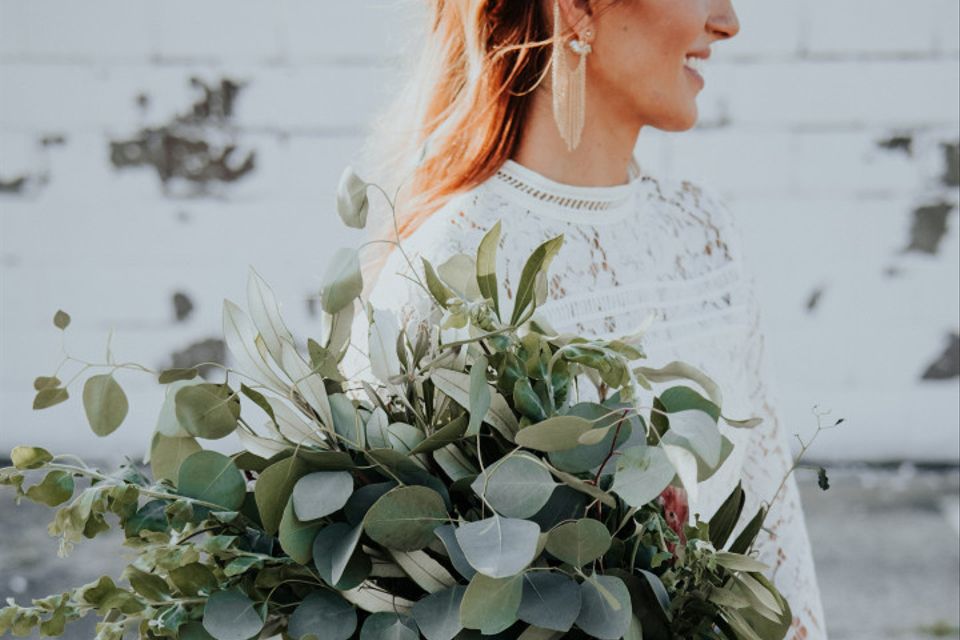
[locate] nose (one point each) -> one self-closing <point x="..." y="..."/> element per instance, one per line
<point x="723" y="20"/>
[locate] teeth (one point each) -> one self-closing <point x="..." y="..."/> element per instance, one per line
<point x="697" y="64"/>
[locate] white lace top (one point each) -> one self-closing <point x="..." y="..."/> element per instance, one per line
<point x="646" y="246"/>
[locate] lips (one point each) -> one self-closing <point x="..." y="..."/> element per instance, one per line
<point x="695" y="63"/>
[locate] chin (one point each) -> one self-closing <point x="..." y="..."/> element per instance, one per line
<point x="683" y="118"/>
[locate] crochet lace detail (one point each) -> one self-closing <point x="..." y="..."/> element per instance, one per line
<point x="649" y="246"/>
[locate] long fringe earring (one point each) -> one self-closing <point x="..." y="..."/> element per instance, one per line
<point x="569" y="86"/>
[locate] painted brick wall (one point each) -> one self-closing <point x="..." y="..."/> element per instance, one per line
<point x="831" y="128"/>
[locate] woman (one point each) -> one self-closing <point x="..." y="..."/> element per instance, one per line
<point x="528" y="112"/>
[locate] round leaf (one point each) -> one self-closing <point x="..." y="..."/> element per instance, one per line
<point x="342" y="282"/>
<point x="642" y="474"/>
<point x="517" y="486"/>
<point x="231" y="615"/>
<point x="30" y="457"/>
<point x="323" y="610"/>
<point x="605" y="611"/>
<point x="404" y="518"/>
<point x="578" y="543"/>
<point x="61" y="319"/>
<point x="554" y="434"/>
<point x="499" y="547"/>
<point x="585" y="458"/>
<point x="319" y="494"/>
<point x="105" y="403"/>
<point x="333" y="549"/>
<point x="438" y="614"/>
<point x="296" y="537"/>
<point x="389" y="626"/>
<point x="352" y="203"/>
<point x="491" y="604"/>
<point x="167" y="454"/>
<point x="207" y="410"/>
<point x="56" y="488"/>
<point x="550" y="600"/>
<point x="212" y="477"/>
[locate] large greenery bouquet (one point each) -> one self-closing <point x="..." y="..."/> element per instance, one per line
<point x="467" y="493"/>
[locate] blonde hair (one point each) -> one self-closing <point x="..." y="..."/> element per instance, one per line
<point x="459" y="115"/>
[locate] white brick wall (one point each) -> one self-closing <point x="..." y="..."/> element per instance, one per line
<point x="791" y="118"/>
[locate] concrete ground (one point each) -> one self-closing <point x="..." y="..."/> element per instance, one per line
<point x="885" y="540"/>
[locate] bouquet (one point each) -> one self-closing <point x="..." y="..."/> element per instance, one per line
<point x="464" y="491"/>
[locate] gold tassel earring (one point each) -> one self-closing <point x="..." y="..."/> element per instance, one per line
<point x="569" y="86"/>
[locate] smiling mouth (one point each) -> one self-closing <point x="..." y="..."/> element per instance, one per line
<point x="695" y="66"/>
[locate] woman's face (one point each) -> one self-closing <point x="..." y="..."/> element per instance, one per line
<point x="637" y="67"/>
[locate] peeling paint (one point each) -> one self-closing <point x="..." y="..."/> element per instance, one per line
<point x="900" y="142"/>
<point x="13" y="185"/>
<point x="209" y="350"/>
<point x="951" y="161"/>
<point x="182" y="306"/>
<point x="929" y="227"/>
<point x="196" y="150"/>
<point x="947" y="365"/>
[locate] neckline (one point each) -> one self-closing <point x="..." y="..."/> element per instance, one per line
<point x="544" y="196"/>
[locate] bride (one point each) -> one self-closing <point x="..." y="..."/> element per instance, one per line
<point x="528" y="113"/>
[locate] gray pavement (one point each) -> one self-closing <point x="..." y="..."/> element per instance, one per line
<point x="885" y="541"/>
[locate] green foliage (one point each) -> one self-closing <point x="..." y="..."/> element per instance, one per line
<point x="471" y="492"/>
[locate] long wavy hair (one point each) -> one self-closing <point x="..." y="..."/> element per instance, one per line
<point x="459" y="115"/>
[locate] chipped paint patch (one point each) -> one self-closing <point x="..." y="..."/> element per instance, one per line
<point x="951" y="161"/>
<point x="197" y="150"/>
<point x="947" y="365"/>
<point x="929" y="227"/>
<point x="182" y="306"/>
<point x="900" y="142"/>
<point x="208" y="350"/>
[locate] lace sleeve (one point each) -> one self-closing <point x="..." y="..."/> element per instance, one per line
<point x="783" y="544"/>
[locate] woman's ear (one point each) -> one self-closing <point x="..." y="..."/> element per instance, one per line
<point x="577" y="17"/>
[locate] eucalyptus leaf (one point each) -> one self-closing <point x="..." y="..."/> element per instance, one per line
<point x="517" y="486"/>
<point x="491" y="604"/>
<point x="404" y="518"/>
<point x="30" y="457"/>
<point x="538" y="262"/>
<point x="55" y="488"/>
<point x="701" y="431"/>
<point x="167" y="454"/>
<point x="438" y="614"/>
<point x="551" y="600"/>
<point x="352" y="202"/>
<point x="326" y="611"/>
<point x="333" y="547"/>
<point x="231" y="615"/>
<point x="389" y="626"/>
<point x="555" y="434"/>
<point x="174" y="375"/>
<point x="274" y="488"/>
<point x="480" y="397"/>
<point x="448" y="536"/>
<point x="499" y="547"/>
<point x="207" y="410"/>
<point x="487" y="266"/>
<point x="61" y="319"/>
<point x="49" y="396"/>
<point x="456" y="385"/>
<point x="212" y="477"/>
<point x="296" y="537"/>
<point x="605" y="611"/>
<point x="642" y="474"/>
<point x="342" y="282"/>
<point x="319" y="494"/>
<point x="580" y="542"/>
